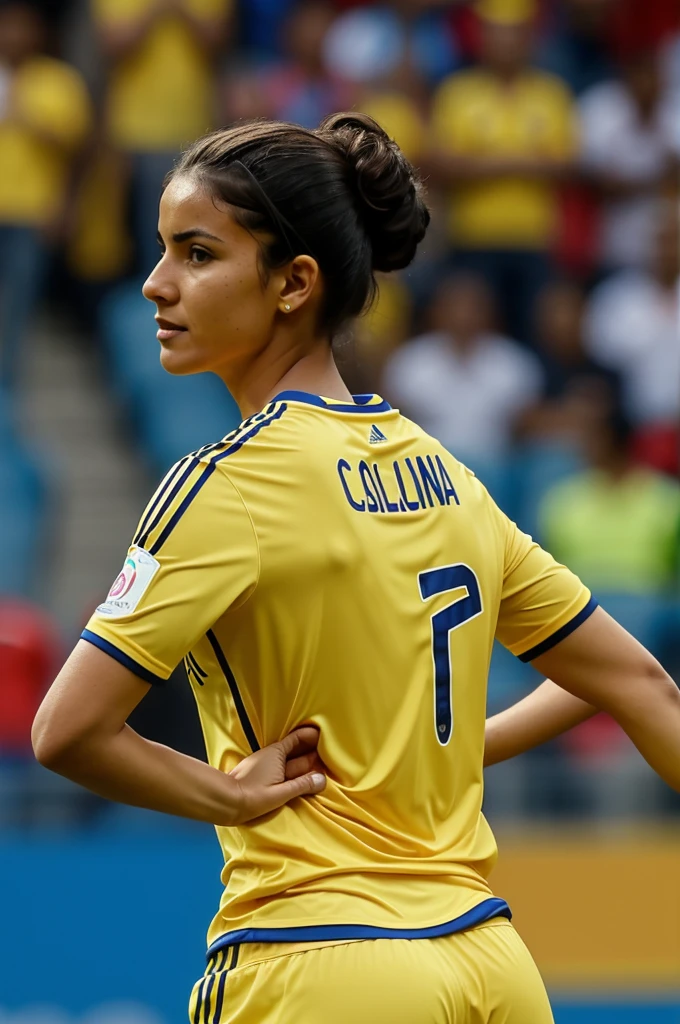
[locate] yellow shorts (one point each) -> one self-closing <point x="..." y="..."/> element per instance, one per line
<point x="481" y="976"/>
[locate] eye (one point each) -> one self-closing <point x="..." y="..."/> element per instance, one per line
<point x="198" y="255"/>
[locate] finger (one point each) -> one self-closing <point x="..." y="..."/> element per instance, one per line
<point x="300" y="741"/>
<point x="305" y="785"/>
<point x="302" y="765"/>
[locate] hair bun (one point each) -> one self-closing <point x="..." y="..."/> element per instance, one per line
<point x="390" y="195"/>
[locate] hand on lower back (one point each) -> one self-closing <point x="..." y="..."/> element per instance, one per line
<point x="278" y="773"/>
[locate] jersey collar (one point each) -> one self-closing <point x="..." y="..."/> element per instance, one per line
<point x="370" y="404"/>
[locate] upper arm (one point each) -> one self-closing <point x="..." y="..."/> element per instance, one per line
<point x="601" y="663"/>
<point x="92" y="695"/>
<point x="194" y="556"/>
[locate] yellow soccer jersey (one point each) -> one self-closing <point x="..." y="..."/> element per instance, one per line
<point x="334" y="564"/>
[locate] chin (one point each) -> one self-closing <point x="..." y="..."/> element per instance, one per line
<point x="179" y="364"/>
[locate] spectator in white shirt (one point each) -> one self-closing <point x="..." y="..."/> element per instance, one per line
<point x="633" y="326"/>
<point x="463" y="382"/>
<point x="629" y="152"/>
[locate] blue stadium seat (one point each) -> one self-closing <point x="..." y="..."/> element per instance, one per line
<point x="22" y="511"/>
<point x="177" y="415"/>
<point x="172" y="415"/>
<point x="536" y="468"/>
<point x="497" y="477"/>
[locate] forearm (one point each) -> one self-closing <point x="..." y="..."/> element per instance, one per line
<point x="651" y="717"/>
<point x="129" y="769"/>
<point x="603" y="665"/>
<point x="541" y="716"/>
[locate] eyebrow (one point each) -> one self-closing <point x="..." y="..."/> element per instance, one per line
<point x="182" y="236"/>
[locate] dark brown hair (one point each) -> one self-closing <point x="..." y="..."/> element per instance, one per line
<point x="344" y="194"/>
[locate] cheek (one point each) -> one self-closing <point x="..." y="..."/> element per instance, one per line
<point x="233" y="307"/>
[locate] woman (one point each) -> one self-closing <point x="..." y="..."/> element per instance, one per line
<point x="330" y="573"/>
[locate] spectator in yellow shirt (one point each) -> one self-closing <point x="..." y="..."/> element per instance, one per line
<point x="160" y="91"/>
<point x="44" y="118"/>
<point x="503" y="136"/>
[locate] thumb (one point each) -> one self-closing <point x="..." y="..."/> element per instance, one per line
<point x="305" y="785"/>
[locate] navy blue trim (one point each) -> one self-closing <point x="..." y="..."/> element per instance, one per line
<point x="220" y="997"/>
<point x="360" y="402"/>
<point x="233" y="686"/>
<point x="192" y="673"/>
<point x="206" y="998"/>
<point x="196" y="666"/>
<point x="142" y="537"/>
<point x="561" y="634"/>
<point x="181" y="508"/>
<point x="217" y="1016"/>
<point x="157" y="498"/>
<point x="251" y="433"/>
<point x="146" y="526"/>
<point x="121" y="656"/>
<point x="261" y="420"/>
<point x="199" y="1003"/>
<point x="208" y="448"/>
<point x="484" y="911"/>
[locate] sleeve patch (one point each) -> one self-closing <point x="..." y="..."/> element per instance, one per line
<point x="130" y="585"/>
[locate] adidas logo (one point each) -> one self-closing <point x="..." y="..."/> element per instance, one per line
<point x="376" y="436"/>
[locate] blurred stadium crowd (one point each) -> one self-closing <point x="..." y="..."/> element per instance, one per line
<point x="537" y="334"/>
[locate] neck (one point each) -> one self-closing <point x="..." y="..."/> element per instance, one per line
<point x="297" y="368"/>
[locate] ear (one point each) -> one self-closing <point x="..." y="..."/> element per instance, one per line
<point x="300" y="279"/>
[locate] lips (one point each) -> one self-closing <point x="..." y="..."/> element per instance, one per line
<point x="167" y="330"/>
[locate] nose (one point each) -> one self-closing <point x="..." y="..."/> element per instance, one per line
<point x="159" y="286"/>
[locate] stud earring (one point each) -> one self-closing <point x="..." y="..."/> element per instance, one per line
<point x="287" y="307"/>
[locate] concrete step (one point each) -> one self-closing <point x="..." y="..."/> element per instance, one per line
<point x="100" y="483"/>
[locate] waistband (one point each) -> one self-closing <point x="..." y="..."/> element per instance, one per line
<point x="250" y="953"/>
<point x="334" y="933"/>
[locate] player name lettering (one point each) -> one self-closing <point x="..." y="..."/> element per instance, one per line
<point x="405" y="485"/>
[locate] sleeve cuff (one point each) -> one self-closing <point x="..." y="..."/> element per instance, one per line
<point x="561" y="633"/>
<point x="121" y="657"/>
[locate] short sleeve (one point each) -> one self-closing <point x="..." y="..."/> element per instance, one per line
<point x="194" y="556"/>
<point x="542" y="602"/>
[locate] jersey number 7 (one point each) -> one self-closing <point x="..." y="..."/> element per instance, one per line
<point x="467" y="606"/>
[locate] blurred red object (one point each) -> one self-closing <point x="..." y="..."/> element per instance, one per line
<point x="30" y="652"/>
<point x="636" y="26"/>
<point x="658" y="446"/>
<point x="599" y="735"/>
<point x="576" y="246"/>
